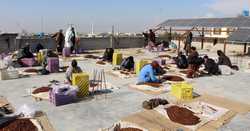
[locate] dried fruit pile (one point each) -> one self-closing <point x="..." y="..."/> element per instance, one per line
<point x="41" y="89"/>
<point x="91" y="57"/>
<point x="19" y="125"/>
<point x="124" y="72"/>
<point x="100" y="62"/>
<point x="156" y="85"/>
<point x="31" y="70"/>
<point x="118" y="128"/>
<point x="165" y="56"/>
<point x="173" y="78"/>
<point x="182" y="115"/>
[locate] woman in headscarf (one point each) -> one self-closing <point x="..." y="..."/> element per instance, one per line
<point x="70" y="37"/>
<point x="223" y="59"/>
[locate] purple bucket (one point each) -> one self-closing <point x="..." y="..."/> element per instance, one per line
<point x="53" y="64"/>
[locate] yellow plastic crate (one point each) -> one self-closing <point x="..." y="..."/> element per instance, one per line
<point x="81" y="80"/>
<point x="117" y="59"/>
<point x="183" y="91"/>
<point x="139" y="65"/>
<point x="40" y="57"/>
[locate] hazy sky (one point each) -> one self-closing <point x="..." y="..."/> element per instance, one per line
<point x="126" y="15"/>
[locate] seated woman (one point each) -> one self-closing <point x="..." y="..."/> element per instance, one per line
<point x="147" y="73"/>
<point x="39" y="47"/>
<point x="108" y="54"/>
<point x="181" y="61"/>
<point x="223" y="59"/>
<point x="74" y="68"/>
<point x="194" y="63"/>
<point x="211" y="67"/>
<point x="128" y="64"/>
<point x="24" y="53"/>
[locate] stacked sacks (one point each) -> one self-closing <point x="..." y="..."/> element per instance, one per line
<point x="153" y="103"/>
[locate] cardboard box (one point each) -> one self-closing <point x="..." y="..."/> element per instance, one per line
<point x="81" y="80"/>
<point x="117" y="59"/>
<point x="182" y="90"/>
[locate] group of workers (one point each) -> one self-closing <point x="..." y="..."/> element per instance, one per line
<point x="70" y="40"/>
<point x="148" y="73"/>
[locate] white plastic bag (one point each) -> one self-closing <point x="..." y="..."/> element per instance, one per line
<point x="27" y="111"/>
<point x="7" y="61"/>
<point x="226" y="70"/>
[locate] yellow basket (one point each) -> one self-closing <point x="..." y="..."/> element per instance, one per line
<point x="182" y="90"/>
<point x="139" y="65"/>
<point x="117" y="59"/>
<point x="81" y="80"/>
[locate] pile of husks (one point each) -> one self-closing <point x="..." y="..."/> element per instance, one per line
<point x="153" y="103"/>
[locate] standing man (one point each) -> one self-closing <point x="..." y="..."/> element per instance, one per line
<point x="73" y="40"/>
<point x="74" y="68"/>
<point x="145" y="34"/>
<point x="152" y="36"/>
<point x="70" y="38"/>
<point x="59" y="37"/>
<point x="188" y="43"/>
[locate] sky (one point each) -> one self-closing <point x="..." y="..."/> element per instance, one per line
<point x="126" y="15"/>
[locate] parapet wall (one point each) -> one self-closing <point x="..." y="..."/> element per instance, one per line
<point x="12" y="44"/>
<point x="85" y="43"/>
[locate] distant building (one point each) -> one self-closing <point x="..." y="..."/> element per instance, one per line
<point x="213" y="27"/>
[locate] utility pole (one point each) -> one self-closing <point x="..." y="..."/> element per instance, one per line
<point x="42" y="24"/>
<point x="112" y="37"/>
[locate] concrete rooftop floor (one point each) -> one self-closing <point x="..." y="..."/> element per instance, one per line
<point x="102" y="111"/>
